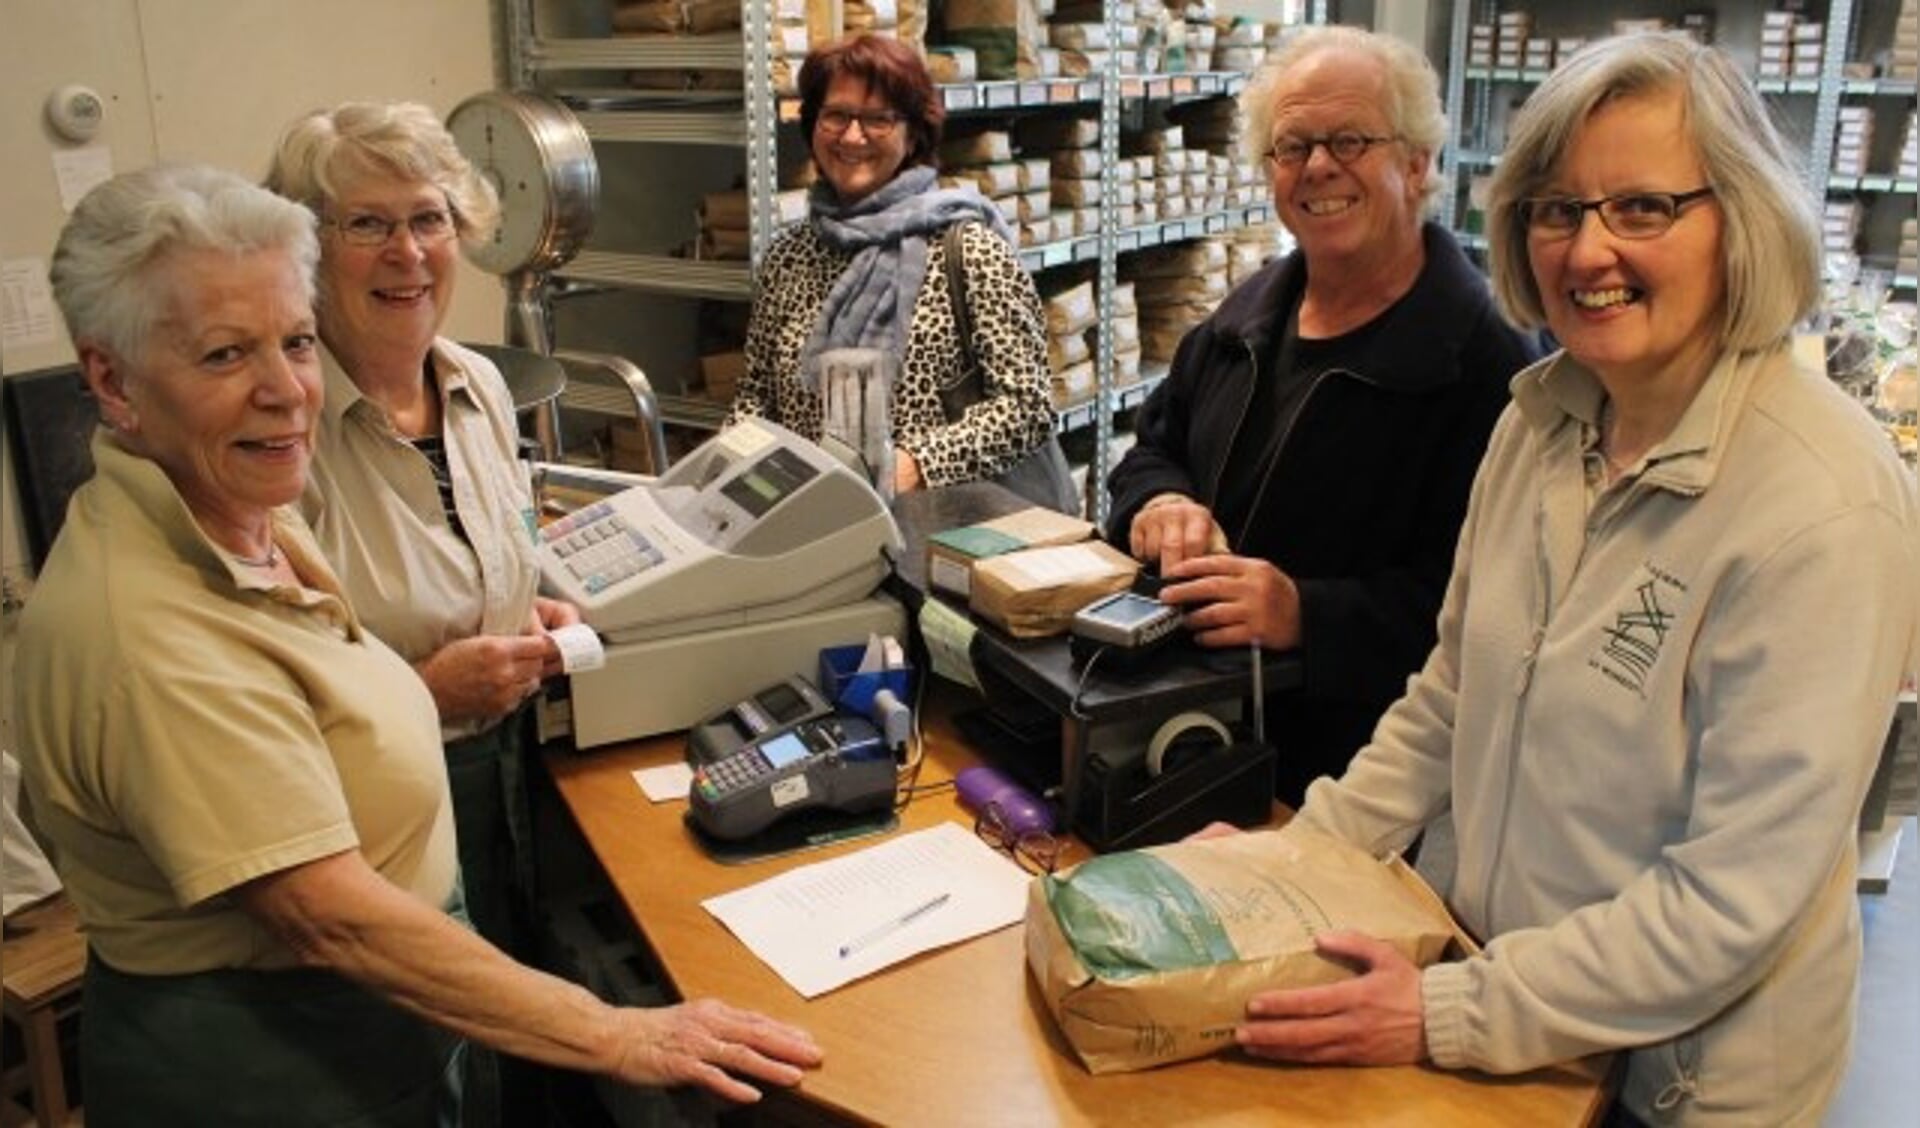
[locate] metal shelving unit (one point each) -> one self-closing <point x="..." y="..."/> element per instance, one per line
<point x="1471" y="92"/>
<point x="749" y="120"/>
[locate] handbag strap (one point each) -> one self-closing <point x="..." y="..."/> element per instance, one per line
<point x="970" y="388"/>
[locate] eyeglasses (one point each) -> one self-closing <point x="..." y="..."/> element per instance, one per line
<point x="1346" y="146"/>
<point x="873" y="123"/>
<point x="1634" y="215"/>
<point x="1035" y="850"/>
<point x="364" y="229"/>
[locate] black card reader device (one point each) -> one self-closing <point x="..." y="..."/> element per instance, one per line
<point x="774" y="709"/>
<point x="839" y="763"/>
<point x="1129" y="625"/>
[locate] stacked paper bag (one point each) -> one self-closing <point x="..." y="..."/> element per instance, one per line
<point x="1177" y="287"/>
<point x="1071" y="312"/>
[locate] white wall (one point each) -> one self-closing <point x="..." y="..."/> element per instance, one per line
<point x="212" y="81"/>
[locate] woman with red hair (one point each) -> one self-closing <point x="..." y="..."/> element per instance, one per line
<point x="868" y="270"/>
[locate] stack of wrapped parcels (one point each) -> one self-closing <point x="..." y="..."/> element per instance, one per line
<point x="1148" y="957"/>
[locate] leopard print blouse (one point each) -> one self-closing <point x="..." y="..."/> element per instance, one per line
<point x="1015" y="415"/>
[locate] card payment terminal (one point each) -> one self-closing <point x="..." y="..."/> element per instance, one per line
<point x="839" y="763"/>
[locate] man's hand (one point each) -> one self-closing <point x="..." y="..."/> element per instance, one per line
<point x="486" y="676"/>
<point x="706" y="1043"/>
<point x="1171" y="528"/>
<point x="1235" y="600"/>
<point x="1374" y="1019"/>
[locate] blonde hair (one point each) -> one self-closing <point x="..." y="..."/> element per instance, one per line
<point x="1413" y="93"/>
<point x="1771" y="244"/>
<point x="326" y="151"/>
<point x="124" y="231"/>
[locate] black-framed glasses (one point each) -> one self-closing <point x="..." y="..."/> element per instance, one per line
<point x="1346" y="146"/>
<point x="1035" y="850"/>
<point x="1630" y="215"/>
<point x="364" y="229"/>
<point x="873" y="123"/>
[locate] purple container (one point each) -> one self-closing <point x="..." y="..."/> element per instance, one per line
<point x="1024" y="811"/>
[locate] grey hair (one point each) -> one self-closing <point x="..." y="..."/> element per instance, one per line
<point x="1413" y="106"/>
<point x="327" y="151"/>
<point x="1772" y="228"/>
<point x="126" y="228"/>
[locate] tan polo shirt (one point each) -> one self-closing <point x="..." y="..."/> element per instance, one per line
<point x="373" y="504"/>
<point x="186" y="728"/>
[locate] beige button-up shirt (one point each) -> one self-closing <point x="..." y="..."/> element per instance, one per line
<point x="373" y="504"/>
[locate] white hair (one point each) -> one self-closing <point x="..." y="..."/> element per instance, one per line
<point x="108" y="256"/>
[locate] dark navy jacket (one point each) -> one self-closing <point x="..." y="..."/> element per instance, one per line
<point x="1366" y="495"/>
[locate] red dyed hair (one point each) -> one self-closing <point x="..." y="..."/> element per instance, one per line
<point x="889" y="68"/>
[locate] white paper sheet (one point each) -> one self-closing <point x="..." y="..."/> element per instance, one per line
<point x="26" y="304"/>
<point x="668" y="781"/>
<point x="580" y="648"/>
<point x="878" y="906"/>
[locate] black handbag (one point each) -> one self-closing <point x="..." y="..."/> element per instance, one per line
<point x="1042" y="475"/>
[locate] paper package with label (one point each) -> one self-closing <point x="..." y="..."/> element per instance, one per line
<point x="952" y="553"/>
<point x="1034" y="592"/>
<point x="1148" y="957"/>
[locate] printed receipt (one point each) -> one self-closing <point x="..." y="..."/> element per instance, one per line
<point x="580" y="648"/>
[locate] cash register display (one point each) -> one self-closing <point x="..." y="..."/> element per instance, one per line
<point x="783" y="703"/>
<point x="756" y="524"/>
<point x="768" y="482"/>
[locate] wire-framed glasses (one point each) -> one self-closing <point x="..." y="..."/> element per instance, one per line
<point x="1035" y="850"/>
<point x="1630" y="215"/>
<point x="873" y="123"/>
<point x="1346" y="146"/>
<point x="364" y="229"/>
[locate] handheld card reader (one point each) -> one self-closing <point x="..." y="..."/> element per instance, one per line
<point x="771" y="710"/>
<point x="1128" y="625"/>
<point x="837" y="762"/>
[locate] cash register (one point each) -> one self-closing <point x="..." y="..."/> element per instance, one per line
<point x="733" y="569"/>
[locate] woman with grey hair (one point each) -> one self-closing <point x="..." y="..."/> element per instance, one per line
<point x="242" y="788"/>
<point x="1681" y="612"/>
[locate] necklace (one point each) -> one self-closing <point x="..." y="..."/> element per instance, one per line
<point x="270" y="560"/>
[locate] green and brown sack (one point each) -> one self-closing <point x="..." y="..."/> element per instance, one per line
<point x="1148" y="957"/>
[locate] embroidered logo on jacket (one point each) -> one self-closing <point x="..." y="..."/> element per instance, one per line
<point x="1630" y="647"/>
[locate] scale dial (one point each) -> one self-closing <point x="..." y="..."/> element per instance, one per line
<point x="541" y="162"/>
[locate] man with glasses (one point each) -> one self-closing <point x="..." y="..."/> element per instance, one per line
<point x="1301" y="475"/>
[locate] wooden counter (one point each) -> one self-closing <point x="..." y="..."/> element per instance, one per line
<point x="960" y="1036"/>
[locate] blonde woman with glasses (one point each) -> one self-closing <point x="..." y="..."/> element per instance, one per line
<point x="1680" y="615"/>
<point x="418" y="494"/>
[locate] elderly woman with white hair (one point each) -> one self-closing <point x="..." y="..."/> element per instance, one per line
<point x="419" y="495"/>
<point x="1301" y="474"/>
<point x="241" y="786"/>
<point x="1681" y="612"/>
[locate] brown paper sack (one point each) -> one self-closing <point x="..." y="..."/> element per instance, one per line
<point x="1034" y="592"/>
<point x="1148" y="957"/>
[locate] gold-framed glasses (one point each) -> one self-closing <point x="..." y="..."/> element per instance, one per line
<point x="1035" y="850"/>
<point x="873" y="123"/>
<point x="1630" y="215"/>
<point x="365" y="229"/>
<point x="1345" y="146"/>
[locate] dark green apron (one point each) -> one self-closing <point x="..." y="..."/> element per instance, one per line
<point x="289" y="1049"/>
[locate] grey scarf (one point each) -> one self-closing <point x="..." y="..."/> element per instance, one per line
<point x="871" y="303"/>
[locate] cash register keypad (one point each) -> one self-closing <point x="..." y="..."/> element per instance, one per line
<point x="600" y="549"/>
